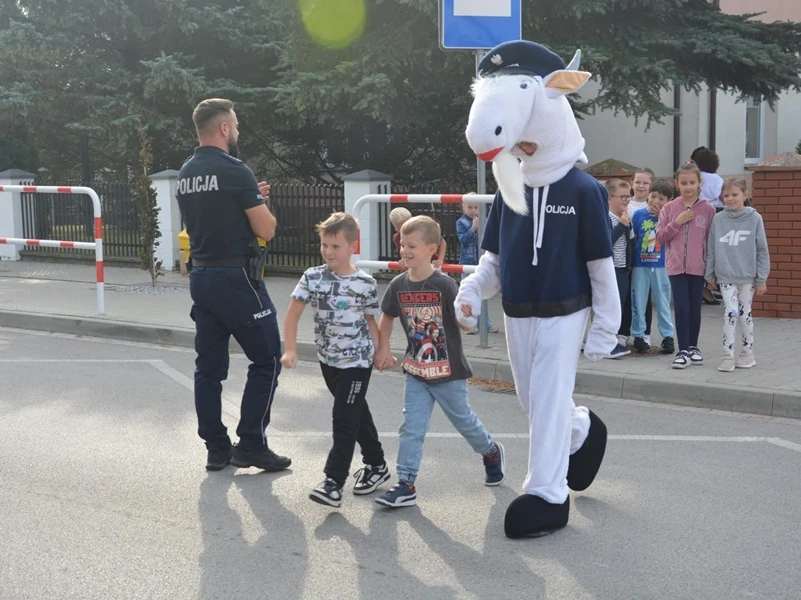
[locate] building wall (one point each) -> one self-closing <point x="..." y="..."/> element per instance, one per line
<point x="619" y="137"/>
<point x="788" y="124"/>
<point x="777" y="197"/>
<point x="775" y="10"/>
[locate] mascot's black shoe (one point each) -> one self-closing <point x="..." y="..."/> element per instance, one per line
<point x="586" y="461"/>
<point x="531" y="516"/>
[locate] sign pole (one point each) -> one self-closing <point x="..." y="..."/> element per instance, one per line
<point x="481" y="181"/>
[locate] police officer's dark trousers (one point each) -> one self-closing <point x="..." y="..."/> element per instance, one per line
<point x="352" y="421"/>
<point x="225" y="303"/>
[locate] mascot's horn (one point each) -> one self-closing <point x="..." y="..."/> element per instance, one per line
<point x="575" y="63"/>
<point x="506" y="169"/>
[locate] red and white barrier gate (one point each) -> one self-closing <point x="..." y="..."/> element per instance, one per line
<point x="97" y="245"/>
<point x="416" y="199"/>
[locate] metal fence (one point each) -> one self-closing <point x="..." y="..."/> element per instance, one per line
<point x="69" y="217"/>
<point x="298" y="208"/>
<point x="444" y="214"/>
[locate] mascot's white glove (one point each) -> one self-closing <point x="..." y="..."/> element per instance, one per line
<point x="481" y="285"/>
<point x="602" y="337"/>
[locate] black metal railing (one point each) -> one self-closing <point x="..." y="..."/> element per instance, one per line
<point x="444" y="214"/>
<point x="298" y="208"/>
<point x="70" y="217"/>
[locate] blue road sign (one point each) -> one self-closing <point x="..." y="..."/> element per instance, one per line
<point x="479" y="24"/>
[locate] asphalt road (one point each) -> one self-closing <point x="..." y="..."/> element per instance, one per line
<point x="103" y="494"/>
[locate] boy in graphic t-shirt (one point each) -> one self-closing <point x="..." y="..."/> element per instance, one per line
<point x="345" y="302"/>
<point x="649" y="273"/>
<point x="435" y="365"/>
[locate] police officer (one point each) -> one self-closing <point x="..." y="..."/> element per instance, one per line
<point x="223" y="209"/>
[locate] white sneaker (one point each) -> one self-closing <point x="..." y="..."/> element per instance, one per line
<point x="726" y="364"/>
<point x="745" y="360"/>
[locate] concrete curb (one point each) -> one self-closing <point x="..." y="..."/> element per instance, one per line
<point x="776" y="403"/>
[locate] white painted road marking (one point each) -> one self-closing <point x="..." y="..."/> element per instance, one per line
<point x="233" y="410"/>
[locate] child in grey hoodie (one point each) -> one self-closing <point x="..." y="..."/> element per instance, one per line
<point x="738" y="260"/>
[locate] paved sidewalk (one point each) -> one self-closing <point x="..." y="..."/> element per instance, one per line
<point x="60" y="298"/>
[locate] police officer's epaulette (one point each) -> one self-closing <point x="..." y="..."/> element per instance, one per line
<point x="188" y="158"/>
<point x="233" y="159"/>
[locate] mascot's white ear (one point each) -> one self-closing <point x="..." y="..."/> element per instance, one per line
<point x="560" y="83"/>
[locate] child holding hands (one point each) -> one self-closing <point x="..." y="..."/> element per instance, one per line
<point x="345" y="302"/>
<point x="435" y="365"/>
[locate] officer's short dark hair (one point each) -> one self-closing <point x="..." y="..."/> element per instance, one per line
<point x="208" y="110"/>
<point x="340" y="221"/>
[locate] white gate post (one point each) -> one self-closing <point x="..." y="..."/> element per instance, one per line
<point x="11" y="211"/>
<point x="361" y="184"/>
<point x="169" y="218"/>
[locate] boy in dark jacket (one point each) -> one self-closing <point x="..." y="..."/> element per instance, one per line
<point x="619" y="197"/>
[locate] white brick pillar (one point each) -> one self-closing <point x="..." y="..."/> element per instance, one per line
<point x="361" y="184"/>
<point x="11" y="211"/>
<point x="169" y="218"/>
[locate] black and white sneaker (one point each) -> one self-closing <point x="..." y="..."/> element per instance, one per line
<point x="682" y="360"/>
<point x="618" y="352"/>
<point x="401" y="494"/>
<point x="695" y="356"/>
<point x="329" y="492"/>
<point x="368" y="478"/>
<point x="667" y="346"/>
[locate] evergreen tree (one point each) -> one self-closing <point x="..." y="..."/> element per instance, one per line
<point x="388" y="99"/>
<point x="148" y="210"/>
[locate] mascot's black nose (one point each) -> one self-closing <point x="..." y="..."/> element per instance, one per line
<point x="498" y="130"/>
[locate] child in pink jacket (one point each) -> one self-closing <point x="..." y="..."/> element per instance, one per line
<point x="683" y="229"/>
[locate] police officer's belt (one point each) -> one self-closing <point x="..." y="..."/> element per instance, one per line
<point x="238" y="261"/>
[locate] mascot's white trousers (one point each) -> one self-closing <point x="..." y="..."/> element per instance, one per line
<point x="544" y="355"/>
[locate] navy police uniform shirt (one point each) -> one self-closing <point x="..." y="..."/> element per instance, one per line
<point x="576" y="230"/>
<point x="214" y="190"/>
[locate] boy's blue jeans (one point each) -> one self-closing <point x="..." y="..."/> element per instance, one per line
<point x="418" y="403"/>
<point x="647" y="281"/>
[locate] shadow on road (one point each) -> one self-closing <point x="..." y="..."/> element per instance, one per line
<point x="274" y="565"/>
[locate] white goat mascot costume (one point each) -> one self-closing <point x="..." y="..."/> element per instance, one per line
<point x="549" y="252"/>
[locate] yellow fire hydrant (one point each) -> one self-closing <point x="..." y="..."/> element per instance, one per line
<point x="183" y="245"/>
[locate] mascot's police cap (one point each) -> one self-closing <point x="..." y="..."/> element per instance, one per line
<point x="520" y="57"/>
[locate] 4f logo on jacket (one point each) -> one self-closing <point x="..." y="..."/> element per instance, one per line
<point x="733" y="238"/>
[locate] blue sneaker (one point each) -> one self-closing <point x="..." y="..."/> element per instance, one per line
<point x="402" y="494"/>
<point x="494" y="466"/>
<point x="618" y="352"/>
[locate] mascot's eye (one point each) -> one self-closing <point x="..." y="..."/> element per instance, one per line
<point x="524" y="85"/>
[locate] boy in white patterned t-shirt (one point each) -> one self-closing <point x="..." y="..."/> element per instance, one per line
<point x="345" y="302"/>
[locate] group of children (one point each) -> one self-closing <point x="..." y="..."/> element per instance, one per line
<point x="663" y="247"/>
<point x="672" y="246"/>
<point x="350" y="343"/>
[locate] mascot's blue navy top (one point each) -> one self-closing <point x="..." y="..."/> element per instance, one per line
<point x="576" y="227"/>
<point x="576" y="230"/>
<point x="214" y="190"/>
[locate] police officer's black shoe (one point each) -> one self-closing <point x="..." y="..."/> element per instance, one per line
<point x="264" y="459"/>
<point x="218" y="458"/>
